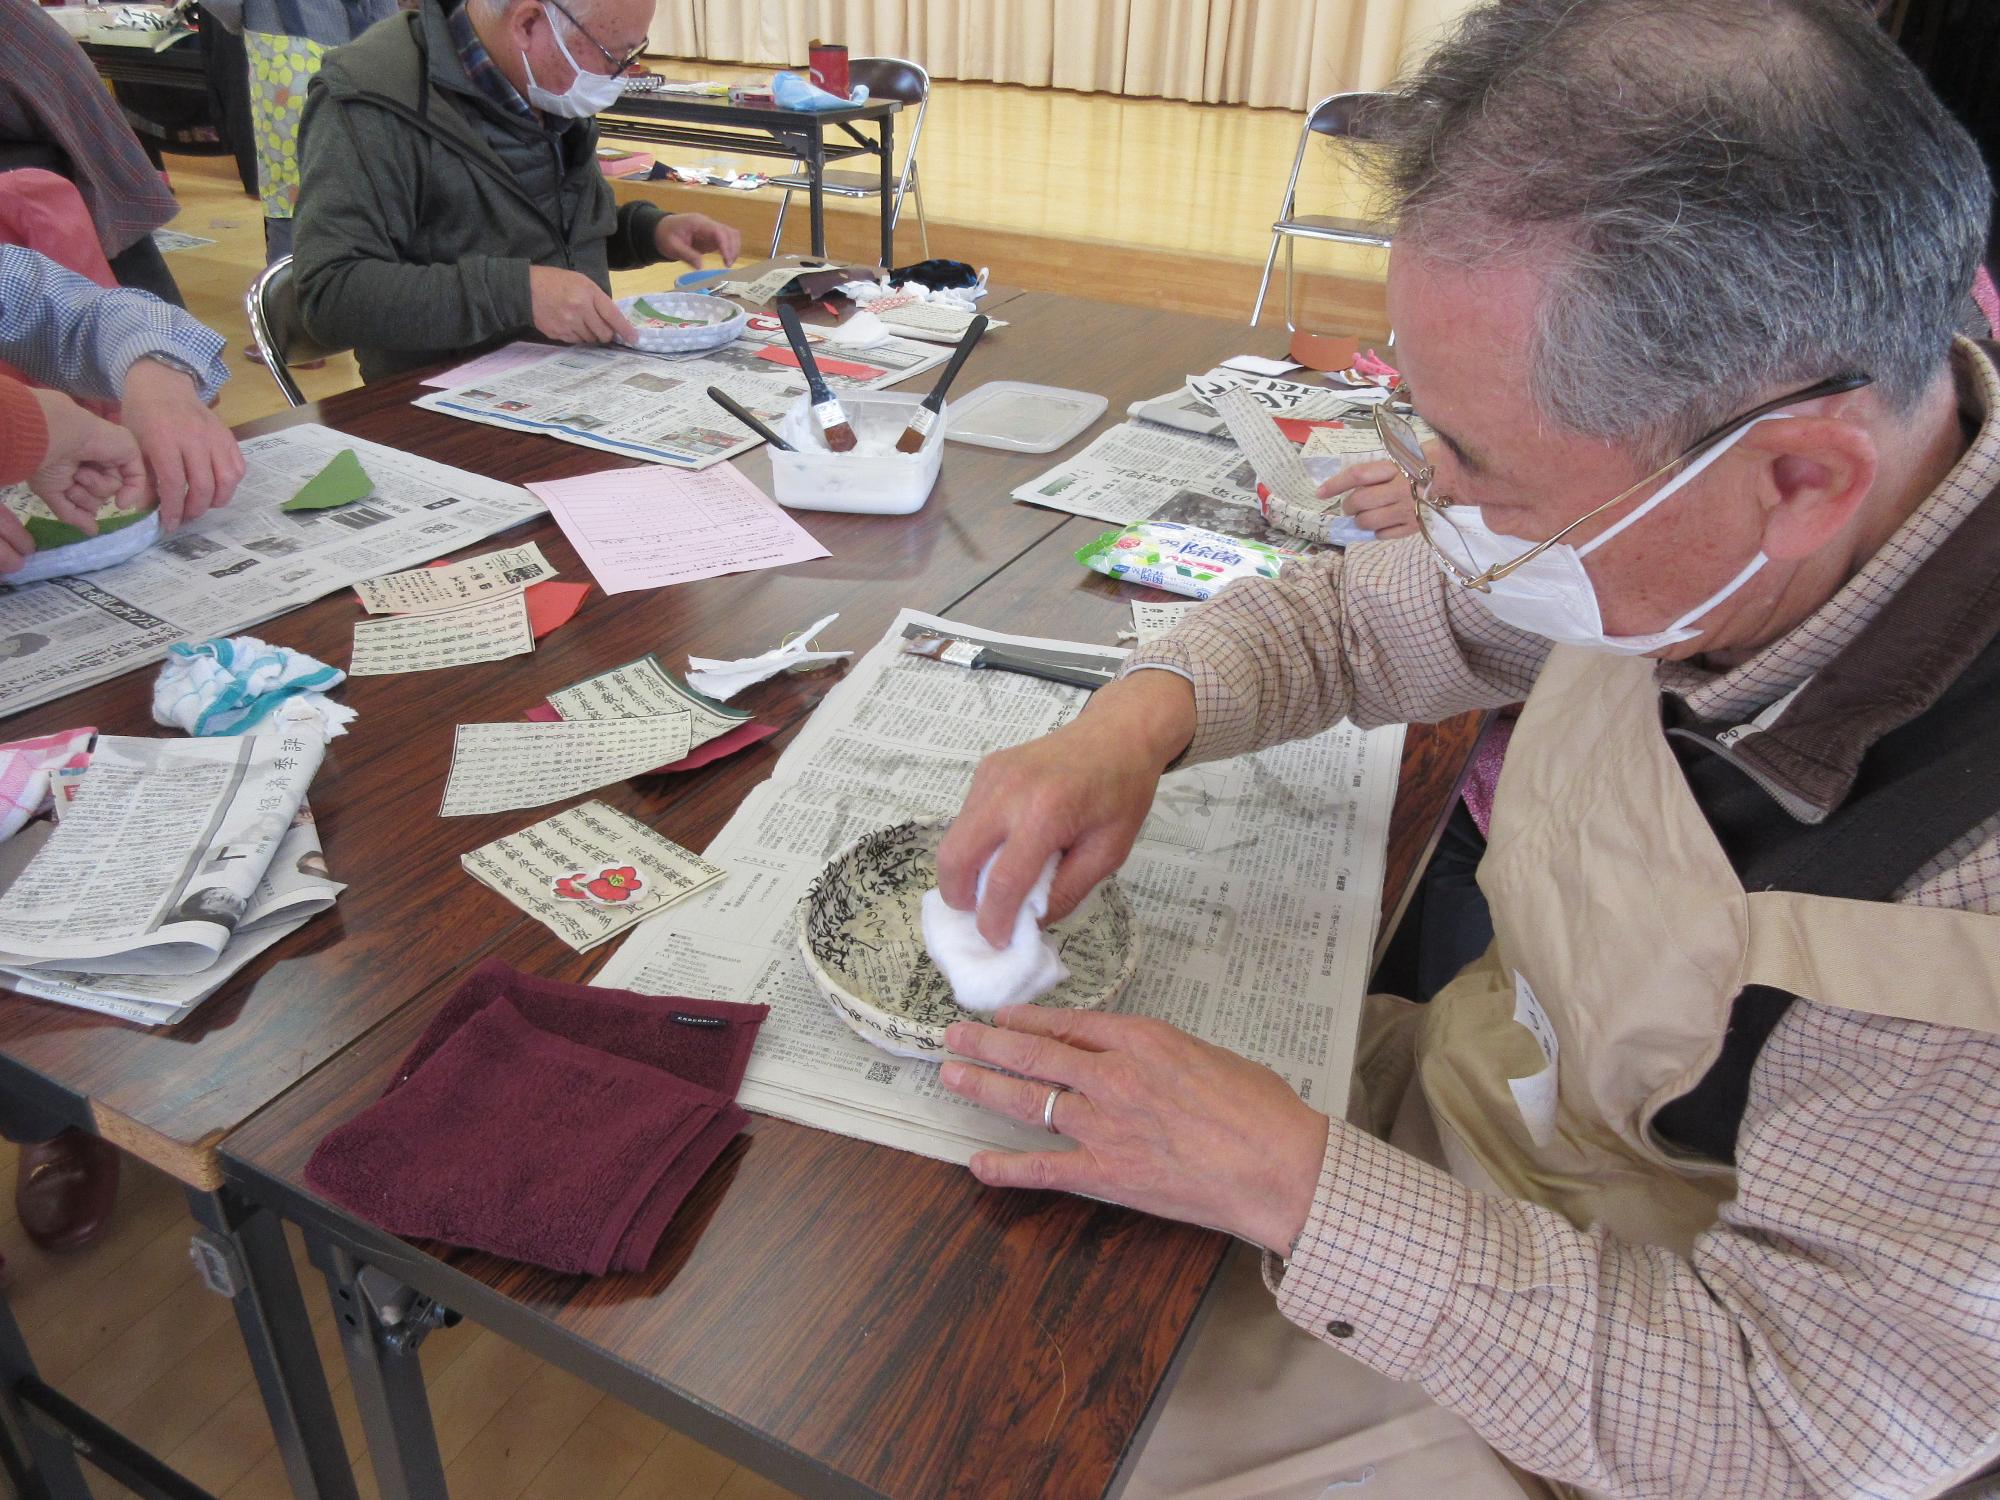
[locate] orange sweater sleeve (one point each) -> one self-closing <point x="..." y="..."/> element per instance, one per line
<point x="24" y="435"/>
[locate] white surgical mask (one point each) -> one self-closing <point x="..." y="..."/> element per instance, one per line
<point x="590" y="93"/>
<point x="1551" y="594"/>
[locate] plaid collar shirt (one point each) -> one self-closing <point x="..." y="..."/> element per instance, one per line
<point x="480" y="67"/>
<point x="1838" y="1331"/>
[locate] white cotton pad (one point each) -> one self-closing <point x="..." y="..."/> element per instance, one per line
<point x="984" y="978"/>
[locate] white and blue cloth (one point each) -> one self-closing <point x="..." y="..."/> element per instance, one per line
<point x="231" y="684"/>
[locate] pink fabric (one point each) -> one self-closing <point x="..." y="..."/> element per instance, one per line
<point x="25" y="768"/>
<point x="1988" y="298"/>
<point x="1483" y="779"/>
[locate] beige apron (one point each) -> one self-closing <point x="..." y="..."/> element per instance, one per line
<point x="1631" y="937"/>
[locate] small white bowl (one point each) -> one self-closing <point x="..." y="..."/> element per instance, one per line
<point x="712" y="321"/>
<point x="863" y="943"/>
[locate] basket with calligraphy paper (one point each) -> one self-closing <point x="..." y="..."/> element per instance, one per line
<point x="863" y="943"/>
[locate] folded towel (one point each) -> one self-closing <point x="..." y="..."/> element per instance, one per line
<point x="514" y="1140"/>
<point x="703" y="1042"/>
<point x="230" y="684"/>
<point x="983" y="977"/>
<point x="551" y="1123"/>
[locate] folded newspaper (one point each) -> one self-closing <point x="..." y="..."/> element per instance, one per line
<point x="172" y="863"/>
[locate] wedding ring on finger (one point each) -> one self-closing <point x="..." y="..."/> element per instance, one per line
<point x="1049" y="1109"/>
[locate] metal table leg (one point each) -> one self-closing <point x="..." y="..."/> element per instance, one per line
<point x="381" y="1322"/>
<point x="241" y="1253"/>
<point x="815" y="142"/>
<point x="887" y="142"/>
<point x="39" y="1464"/>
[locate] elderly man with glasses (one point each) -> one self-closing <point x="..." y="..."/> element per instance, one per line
<point x="1691" y="1185"/>
<point x="449" y="194"/>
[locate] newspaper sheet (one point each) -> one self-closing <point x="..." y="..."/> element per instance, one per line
<point x="167" y="849"/>
<point x="244" y="563"/>
<point x="656" y="406"/>
<point x="488" y="630"/>
<point x="417" y="591"/>
<point x="643" y="689"/>
<point x="1152" y="621"/>
<point x="1192" y="407"/>
<point x="1133" y="469"/>
<point x="1257" y="882"/>
<point x="589" y="873"/>
<point x="500" y="767"/>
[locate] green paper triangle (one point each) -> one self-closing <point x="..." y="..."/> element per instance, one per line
<point x="341" y="482"/>
<point x="48" y="532"/>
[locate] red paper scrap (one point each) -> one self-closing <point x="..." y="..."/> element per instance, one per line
<point x="842" y="367"/>
<point x="1299" y="429"/>
<point x="552" y="603"/>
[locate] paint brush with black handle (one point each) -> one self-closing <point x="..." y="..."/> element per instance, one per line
<point x="748" y="418"/>
<point x="925" y="416"/>
<point x="833" y="423"/>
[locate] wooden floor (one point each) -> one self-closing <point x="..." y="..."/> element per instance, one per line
<point x="1139" y="201"/>
<point x="125" y="1329"/>
<point x="1142" y="201"/>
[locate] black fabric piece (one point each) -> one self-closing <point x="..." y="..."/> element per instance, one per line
<point x="938" y="275"/>
<point x="1922" y="787"/>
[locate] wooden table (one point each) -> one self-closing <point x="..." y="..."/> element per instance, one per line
<point x="765" y="130"/>
<point x="829" y="1312"/>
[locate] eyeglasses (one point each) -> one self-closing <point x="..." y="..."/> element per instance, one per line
<point x="1406" y="450"/>
<point x="618" y="64"/>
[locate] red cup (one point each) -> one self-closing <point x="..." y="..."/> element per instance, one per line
<point x="829" y="67"/>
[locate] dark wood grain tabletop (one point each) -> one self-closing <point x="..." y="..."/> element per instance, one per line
<point x="853" y="1319"/>
<point x="409" y="915"/>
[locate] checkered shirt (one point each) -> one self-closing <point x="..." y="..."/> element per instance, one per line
<point x="65" y="331"/>
<point x="1838" y="1331"/>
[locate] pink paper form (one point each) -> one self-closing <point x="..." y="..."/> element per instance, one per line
<point x="646" y="527"/>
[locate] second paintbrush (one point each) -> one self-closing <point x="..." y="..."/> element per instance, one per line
<point x="826" y="410"/>
<point x="925" y="417"/>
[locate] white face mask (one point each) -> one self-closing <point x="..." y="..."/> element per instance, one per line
<point x="1551" y="594"/>
<point x="590" y="93"/>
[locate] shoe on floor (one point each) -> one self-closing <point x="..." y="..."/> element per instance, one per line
<point x="64" y="1190"/>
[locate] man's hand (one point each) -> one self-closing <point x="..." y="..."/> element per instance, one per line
<point x="89" y="461"/>
<point x="1378" y="497"/>
<point x="572" y="309"/>
<point x="689" y="236"/>
<point x="191" y="457"/>
<point x="1163" y="1123"/>
<point x="1082" y="791"/>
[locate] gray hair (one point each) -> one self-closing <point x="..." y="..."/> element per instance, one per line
<point x="1727" y="197"/>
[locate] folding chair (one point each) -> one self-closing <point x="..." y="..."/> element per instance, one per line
<point x="278" y="330"/>
<point x="1341" y="116"/>
<point x="885" y="78"/>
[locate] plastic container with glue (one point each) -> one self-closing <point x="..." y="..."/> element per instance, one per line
<point x="874" y="479"/>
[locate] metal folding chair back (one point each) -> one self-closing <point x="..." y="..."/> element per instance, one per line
<point x="1341" y="117"/>
<point x="279" y="332"/>
<point x="885" y="78"/>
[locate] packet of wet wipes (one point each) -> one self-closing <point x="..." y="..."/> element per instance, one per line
<point x="1181" y="559"/>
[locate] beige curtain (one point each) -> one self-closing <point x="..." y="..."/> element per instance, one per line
<point x="1280" y="54"/>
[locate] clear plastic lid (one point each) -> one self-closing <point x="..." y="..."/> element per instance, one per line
<point x="1022" y="418"/>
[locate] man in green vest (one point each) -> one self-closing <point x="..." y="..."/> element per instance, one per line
<point x="1691" y="1185"/>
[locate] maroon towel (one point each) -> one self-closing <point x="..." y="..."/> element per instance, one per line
<point x="703" y="1042"/>
<point x="551" y="1123"/>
